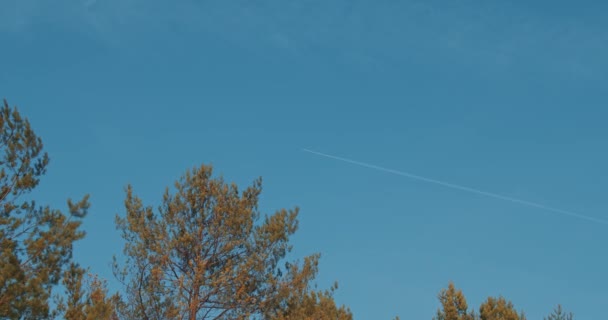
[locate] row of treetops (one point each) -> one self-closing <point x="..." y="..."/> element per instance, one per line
<point x="206" y="253"/>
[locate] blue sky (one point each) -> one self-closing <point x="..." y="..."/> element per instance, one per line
<point x="508" y="98"/>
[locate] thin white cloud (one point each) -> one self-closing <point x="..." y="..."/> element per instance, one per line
<point x="461" y="187"/>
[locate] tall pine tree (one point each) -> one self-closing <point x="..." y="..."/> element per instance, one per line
<point x="207" y="253"/>
<point x="35" y="241"/>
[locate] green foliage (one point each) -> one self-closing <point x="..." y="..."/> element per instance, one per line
<point x="453" y="305"/>
<point x="559" y="314"/>
<point x="207" y="254"/>
<point x="35" y="241"/>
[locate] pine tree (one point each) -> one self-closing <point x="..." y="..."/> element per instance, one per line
<point x="206" y="253"/>
<point x="499" y="309"/>
<point x="453" y="305"/>
<point x="86" y="296"/>
<point x="559" y="314"/>
<point x="301" y="302"/>
<point x="35" y="241"/>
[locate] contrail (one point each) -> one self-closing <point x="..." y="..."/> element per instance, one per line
<point x="460" y="187"/>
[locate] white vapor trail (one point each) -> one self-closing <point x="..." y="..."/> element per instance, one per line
<point x="460" y="187"/>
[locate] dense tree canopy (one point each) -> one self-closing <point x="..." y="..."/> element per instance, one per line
<point x="453" y="305"/>
<point x="35" y="241"/>
<point x="208" y="254"/>
<point x="499" y="309"/>
<point x="86" y="296"/>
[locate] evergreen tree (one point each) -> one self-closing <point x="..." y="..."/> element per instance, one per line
<point x="207" y="254"/>
<point x="35" y="241"/>
<point x="86" y="297"/>
<point x="453" y="305"/>
<point x="300" y="302"/>
<point x="499" y="309"/>
<point x="559" y="314"/>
